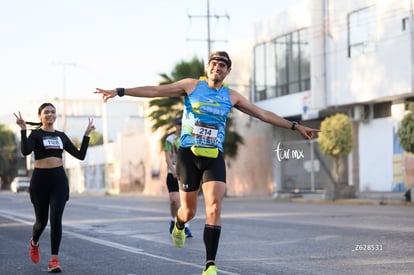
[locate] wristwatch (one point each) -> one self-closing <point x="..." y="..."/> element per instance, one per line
<point x="293" y="127"/>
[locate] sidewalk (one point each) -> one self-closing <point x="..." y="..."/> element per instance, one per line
<point x="374" y="198"/>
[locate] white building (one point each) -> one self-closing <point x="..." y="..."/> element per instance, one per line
<point x="322" y="57"/>
<point x="129" y="160"/>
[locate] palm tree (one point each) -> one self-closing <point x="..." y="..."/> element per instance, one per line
<point x="165" y="110"/>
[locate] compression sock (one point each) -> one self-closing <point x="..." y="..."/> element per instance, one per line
<point x="211" y="241"/>
<point x="180" y="224"/>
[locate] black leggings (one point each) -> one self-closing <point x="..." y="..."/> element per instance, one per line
<point x="49" y="188"/>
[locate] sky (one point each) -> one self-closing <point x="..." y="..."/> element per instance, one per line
<point x="65" y="49"/>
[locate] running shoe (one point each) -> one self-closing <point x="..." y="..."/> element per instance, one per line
<point x="211" y="270"/>
<point x="178" y="236"/>
<point x="54" y="266"/>
<point x="188" y="233"/>
<point x="171" y="226"/>
<point x="34" y="252"/>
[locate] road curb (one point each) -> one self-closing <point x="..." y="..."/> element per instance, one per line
<point x="348" y="201"/>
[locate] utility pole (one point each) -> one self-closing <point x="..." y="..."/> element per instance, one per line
<point x="64" y="65"/>
<point x="208" y="16"/>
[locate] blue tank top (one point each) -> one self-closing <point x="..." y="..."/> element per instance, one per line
<point x="204" y="116"/>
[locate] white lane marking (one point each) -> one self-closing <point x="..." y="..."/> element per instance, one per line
<point x="114" y="245"/>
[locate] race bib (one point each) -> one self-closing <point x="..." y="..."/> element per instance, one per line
<point x="50" y="142"/>
<point x="205" y="135"/>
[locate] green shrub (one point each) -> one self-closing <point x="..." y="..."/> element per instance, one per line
<point x="336" y="138"/>
<point x="406" y="131"/>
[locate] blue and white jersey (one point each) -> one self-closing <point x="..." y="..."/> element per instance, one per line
<point x="205" y="114"/>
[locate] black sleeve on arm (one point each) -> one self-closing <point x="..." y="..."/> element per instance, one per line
<point x="26" y="144"/>
<point x="81" y="153"/>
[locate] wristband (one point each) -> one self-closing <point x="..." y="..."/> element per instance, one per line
<point x="293" y="127"/>
<point x="120" y="91"/>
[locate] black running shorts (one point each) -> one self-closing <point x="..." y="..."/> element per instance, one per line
<point x="193" y="171"/>
<point x="172" y="183"/>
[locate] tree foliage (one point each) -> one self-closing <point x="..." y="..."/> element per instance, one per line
<point x="8" y="154"/>
<point x="406" y="131"/>
<point x="232" y="140"/>
<point x="96" y="138"/>
<point x="336" y="138"/>
<point x="165" y="110"/>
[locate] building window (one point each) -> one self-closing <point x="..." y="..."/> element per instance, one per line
<point x="282" y="66"/>
<point x="405" y="23"/>
<point x="382" y="110"/>
<point x="361" y="31"/>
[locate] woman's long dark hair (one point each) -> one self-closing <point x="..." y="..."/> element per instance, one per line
<point x="37" y="125"/>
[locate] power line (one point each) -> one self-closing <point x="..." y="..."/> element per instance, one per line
<point x="208" y="16"/>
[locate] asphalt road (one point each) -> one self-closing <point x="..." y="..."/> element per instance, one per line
<point x="128" y="235"/>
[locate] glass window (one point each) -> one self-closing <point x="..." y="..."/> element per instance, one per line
<point x="270" y="70"/>
<point x="361" y="31"/>
<point x="304" y="53"/>
<point x="382" y="110"/>
<point x="259" y="72"/>
<point x="282" y="66"/>
<point x="293" y="57"/>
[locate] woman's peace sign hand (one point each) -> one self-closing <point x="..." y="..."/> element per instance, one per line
<point x="20" y="121"/>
